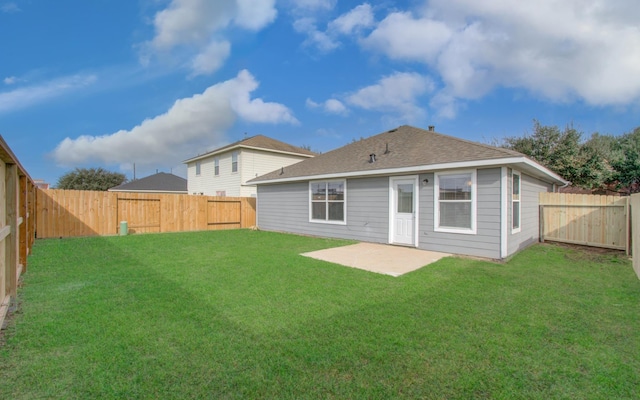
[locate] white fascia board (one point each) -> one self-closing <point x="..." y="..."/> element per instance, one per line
<point x="422" y="168"/>
<point x="241" y="146"/>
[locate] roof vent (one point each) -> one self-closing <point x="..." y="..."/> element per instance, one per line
<point x="432" y="128"/>
<point x="372" y="158"/>
<point x="387" y="151"/>
<point x="282" y="171"/>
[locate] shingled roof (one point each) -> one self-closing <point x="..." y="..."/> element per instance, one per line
<point x="399" y="150"/>
<point x="158" y="183"/>
<point x="260" y="142"/>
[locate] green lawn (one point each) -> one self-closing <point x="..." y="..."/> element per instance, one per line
<point x="239" y="314"/>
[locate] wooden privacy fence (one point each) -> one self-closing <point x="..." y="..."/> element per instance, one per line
<point x="69" y="213"/>
<point x="590" y="220"/>
<point x="17" y="225"/>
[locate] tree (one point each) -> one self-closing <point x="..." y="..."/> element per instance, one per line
<point x="564" y="153"/>
<point x="626" y="162"/>
<point x="90" y="179"/>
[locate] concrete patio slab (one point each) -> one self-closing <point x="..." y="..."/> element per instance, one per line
<point x="379" y="258"/>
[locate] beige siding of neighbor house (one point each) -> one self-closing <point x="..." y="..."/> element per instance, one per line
<point x="257" y="162"/>
<point x="251" y="163"/>
<point x="208" y="183"/>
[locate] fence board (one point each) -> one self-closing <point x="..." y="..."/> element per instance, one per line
<point x="591" y="220"/>
<point x="68" y="213"/>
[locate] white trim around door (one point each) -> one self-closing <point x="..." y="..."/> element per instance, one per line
<point x="403" y="210"/>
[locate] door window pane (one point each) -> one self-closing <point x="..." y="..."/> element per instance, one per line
<point x="405" y="198"/>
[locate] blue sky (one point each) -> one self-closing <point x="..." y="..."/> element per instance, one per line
<point x="153" y="82"/>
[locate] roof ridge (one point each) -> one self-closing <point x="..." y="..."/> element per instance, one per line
<point x="471" y="142"/>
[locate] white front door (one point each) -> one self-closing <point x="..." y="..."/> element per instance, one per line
<point x="403" y="210"/>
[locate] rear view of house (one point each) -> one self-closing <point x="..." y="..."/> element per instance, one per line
<point x="225" y="171"/>
<point x="411" y="187"/>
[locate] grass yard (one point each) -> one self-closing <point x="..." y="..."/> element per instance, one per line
<point x="239" y="314"/>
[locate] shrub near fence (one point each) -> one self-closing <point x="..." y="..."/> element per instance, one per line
<point x="69" y="213"/>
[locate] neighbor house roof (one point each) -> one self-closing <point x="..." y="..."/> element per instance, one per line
<point x="405" y="149"/>
<point x="258" y="142"/>
<point x="160" y="182"/>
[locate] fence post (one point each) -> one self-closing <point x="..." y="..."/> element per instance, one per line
<point x="541" y="224"/>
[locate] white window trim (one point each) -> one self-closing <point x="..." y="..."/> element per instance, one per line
<point x="310" y="202"/>
<point x="198" y="168"/>
<point x="216" y="166"/>
<point x="519" y="228"/>
<point x="474" y="202"/>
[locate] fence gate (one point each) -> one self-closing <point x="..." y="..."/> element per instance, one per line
<point x="224" y="214"/>
<point x="590" y="220"/>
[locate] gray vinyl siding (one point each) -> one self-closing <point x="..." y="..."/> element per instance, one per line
<point x="285" y="208"/>
<point x="486" y="241"/>
<point x="530" y="188"/>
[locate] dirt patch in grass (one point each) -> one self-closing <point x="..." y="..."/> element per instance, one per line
<point x="591" y="254"/>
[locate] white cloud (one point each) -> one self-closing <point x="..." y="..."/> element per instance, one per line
<point x="10" y="8"/>
<point x="10" y="80"/>
<point x="331" y="106"/>
<point x="401" y="36"/>
<point x="211" y="58"/>
<point x="199" y="26"/>
<point x="358" y="18"/>
<point x="353" y="21"/>
<point x="313" y="5"/>
<point x="30" y="95"/>
<point x="334" y="106"/>
<point x="397" y="93"/>
<point x="314" y="37"/>
<point x="178" y="133"/>
<point x="562" y="50"/>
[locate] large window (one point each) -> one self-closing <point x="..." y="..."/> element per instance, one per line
<point x="327" y="200"/>
<point x="455" y="202"/>
<point x="515" y="202"/>
<point x="198" y="167"/>
<point x="216" y="166"/>
<point x="234" y="161"/>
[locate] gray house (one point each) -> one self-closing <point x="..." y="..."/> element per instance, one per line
<point x="411" y="187"/>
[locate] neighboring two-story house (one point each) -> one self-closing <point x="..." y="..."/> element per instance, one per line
<point x="225" y="171"/>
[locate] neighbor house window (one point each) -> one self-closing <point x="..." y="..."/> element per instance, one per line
<point x="216" y="166"/>
<point x="515" y="202"/>
<point x="234" y="161"/>
<point x="327" y="200"/>
<point x="455" y="202"/>
<point x="198" y="165"/>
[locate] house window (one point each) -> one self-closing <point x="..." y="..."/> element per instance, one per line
<point x="198" y="166"/>
<point x="515" y="202"/>
<point x="234" y="161"/>
<point x="327" y="201"/>
<point x="216" y="166"/>
<point x="455" y="202"/>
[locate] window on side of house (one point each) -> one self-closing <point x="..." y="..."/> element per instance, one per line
<point x="328" y="201"/>
<point x="234" y="161"/>
<point x="198" y="167"/>
<point x="515" y="202"/>
<point x="455" y="202"/>
<point x="216" y="166"/>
